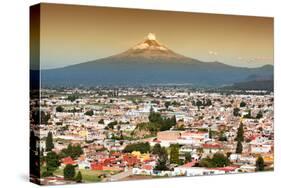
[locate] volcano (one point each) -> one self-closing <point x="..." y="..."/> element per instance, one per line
<point x="150" y="48"/>
<point x="149" y="63"/>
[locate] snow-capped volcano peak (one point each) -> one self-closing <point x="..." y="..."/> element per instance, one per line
<point x="151" y="36"/>
<point x="150" y="48"/>
<point x="150" y="43"/>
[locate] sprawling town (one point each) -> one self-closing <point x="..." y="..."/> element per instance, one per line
<point x="114" y="134"/>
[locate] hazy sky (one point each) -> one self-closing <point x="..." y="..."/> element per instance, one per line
<point x="76" y="34"/>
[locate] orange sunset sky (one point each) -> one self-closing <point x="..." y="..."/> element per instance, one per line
<point x="71" y="34"/>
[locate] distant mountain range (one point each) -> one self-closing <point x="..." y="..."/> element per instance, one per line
<point x="150" y="63"/>
<point x="254" y="82"/>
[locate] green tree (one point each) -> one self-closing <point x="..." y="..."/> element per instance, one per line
<point x="111" y="124"/>
<point x="199" y="104"/>
<point x="220" y="160"/>
<point x="239" y="147"/>
<point x="206" y="162"/>
<point x="101" y="121"/>
<point x="210" y="133"/>
<point x="259" y="115"/>
<point x="156" y="149"/>
<point x="162" y="160"/>
<point x="141" y="147"/>
<point x="49" y="142"/>
<point x="52" y="162"/>
<point x="59" y="109"/>
<point x="71" y="151"/>
<point x="78" y="178"/>
<point x="260" y="164"/>
<point x="208" y="102"/>
<point x="240" y="133"/>
<point x="236" y="111"/>
<point x="222" y="137"/>
<point x="73" y="97"/>
<point x="155" y="117"/>
<point x="242" y="104"/>
<point x="187" y="157"/>
<point x="174" y="120"/>
<point x="89" y="113"/>
<point x="69" y="172"/>
<point x="167" y="104"/>
<point x="174" y="154"/>
<point x="77" y="151"/>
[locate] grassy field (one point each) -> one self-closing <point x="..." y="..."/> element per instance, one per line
<point x="89" y="175"/>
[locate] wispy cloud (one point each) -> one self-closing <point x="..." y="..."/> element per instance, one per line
<point x="214" y="53"/>
<point x="259" y="58"/>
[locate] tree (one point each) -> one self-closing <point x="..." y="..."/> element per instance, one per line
<point x="77" y="151"/>
<point x="49" y="142"/>
<point x="111" y="124"/>
<point x="174" y="154"/>
<point x="167" y="104"/>
<point x="187" y="157"/>
<point x="259" y="115"/>
<point x="239" y="147"/>
<point x="236" y="111"/>
<point x="222" y="137"/>
<point x="101" y="121"/>
<point x="174" y="120"/>
<point x="260" y="164"/>
<point x="240" y="133"/>
<point x="220" y="160"/>
<point x="155" y="117"/>
<point x="156" y="149"/>
<point x="141" y="147"/>
<point x="160" y="123"/>
<point x="52" y="162"/>
<point x="206" y="162"/>
<point x="242" y="104"/>
<point x="59" y="109"/>
<point x="210" y="133"/>
<point x="78" y="178"/>
<point x="72" y="151"/>
<point x="207" y="102"/>
<point x="89" y="113"/>
<point x="73" y="97"/>
<point x="167" y="123"/>
<point x="198" y="104"/>
<point x="162" y="160"/>
<point x="69" y="172"/>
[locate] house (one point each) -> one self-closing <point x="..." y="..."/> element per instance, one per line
<point x="261" y="148"/>
<point x="67" y="160"/>
<point x="130" y="160"/>
<point x="168" y="137"/>
<point x="212" y="148"/>
<point x="96" y="166"/>
<point x="83" y="163"/>
<point x="195" y="171"/>
<point x="146" y="169"/>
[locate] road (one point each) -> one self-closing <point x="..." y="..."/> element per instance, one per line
<point x="120" y="176"/>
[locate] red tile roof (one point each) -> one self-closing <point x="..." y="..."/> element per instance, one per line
<point x="68" y="160"/>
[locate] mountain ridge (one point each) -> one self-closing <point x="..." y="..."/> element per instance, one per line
<point x="150" y="62"/>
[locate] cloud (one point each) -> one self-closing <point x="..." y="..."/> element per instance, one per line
<point x="214" y="53"/>
<point x="259" y="58"/>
